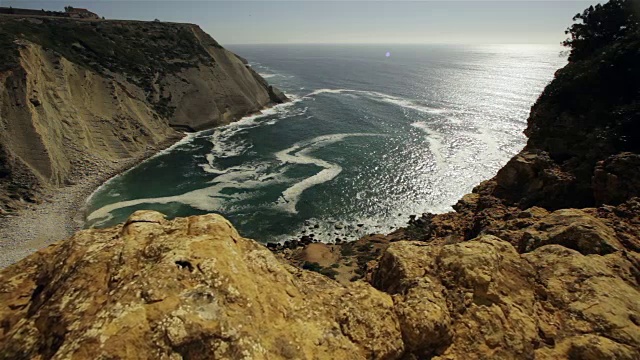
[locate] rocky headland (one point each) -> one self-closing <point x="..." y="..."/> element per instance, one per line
<point x="540" y="262"/>
<point x="81" y="100"/>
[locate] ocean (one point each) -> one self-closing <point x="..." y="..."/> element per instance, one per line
<point x="372" y="135"/>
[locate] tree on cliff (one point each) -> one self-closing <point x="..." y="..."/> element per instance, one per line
<point x="600" y="25"/>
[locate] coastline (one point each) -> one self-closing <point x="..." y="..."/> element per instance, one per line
<point x="61" y="214"/>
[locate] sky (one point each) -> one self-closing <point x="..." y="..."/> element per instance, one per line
<point x="334" y="22"/>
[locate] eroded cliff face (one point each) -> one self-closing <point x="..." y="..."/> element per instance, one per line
<point x="77" y="94"/>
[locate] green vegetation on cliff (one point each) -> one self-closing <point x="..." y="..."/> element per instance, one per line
<point x="140" y="51"/>
<point x="591" y="110"/>
<point x="601" y="25"/>
<point x="601" y="84"/>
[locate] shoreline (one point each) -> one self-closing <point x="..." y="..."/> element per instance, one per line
<point x="62" y="212"/>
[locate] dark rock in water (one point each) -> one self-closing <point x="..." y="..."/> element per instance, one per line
<point x="306" y="240"/>
<point x="338" y="240"/>
<point x="244" y="61"/>
<point x="312" y="235"/>
<point x="292" y="244"/>
<point x="360" y="225"/>
<point x="276" y="95"/>
<point x="316" y="226"/>
<point x="272" y="246"/>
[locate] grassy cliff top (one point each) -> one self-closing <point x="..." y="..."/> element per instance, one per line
<point x="136" y="49"/>
<point x="141" y="51"/>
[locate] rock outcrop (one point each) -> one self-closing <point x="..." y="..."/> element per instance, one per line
<point x="542" y="261"/>
<point x="481" y="299"/>
<point x="76" y="94"/>
<point x="189" y="288"/>
<point x="193" y="288"/>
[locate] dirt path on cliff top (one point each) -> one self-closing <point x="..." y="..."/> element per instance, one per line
<point x="61" y="215"/>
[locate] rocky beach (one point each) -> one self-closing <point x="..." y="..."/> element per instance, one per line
<point x="62" y="212"/>
<point x="73" y="116"/>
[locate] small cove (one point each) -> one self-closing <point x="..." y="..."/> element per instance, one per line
<point x="367" y="140"/>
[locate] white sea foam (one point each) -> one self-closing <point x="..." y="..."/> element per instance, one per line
<point x="299" y="154"/>
<point x="436" y="143"/>
<point x="405" y="103"/>
<point x="221" y="146"/>
<point x="451" y="151"/>
<point x="327" y="91"/>
<point x="267" y="76"/>
<point x="209" y="198"/>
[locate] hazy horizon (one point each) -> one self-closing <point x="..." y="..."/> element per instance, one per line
<point x="349" y="22"/>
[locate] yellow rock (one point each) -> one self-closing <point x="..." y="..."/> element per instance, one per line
<point x="191" y="288"/>
<point x="481" y="299"/>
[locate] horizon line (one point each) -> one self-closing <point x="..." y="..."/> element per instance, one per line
<point x="386" y="43"/>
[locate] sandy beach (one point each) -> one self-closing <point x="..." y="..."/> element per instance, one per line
<point x="62" y="214"/>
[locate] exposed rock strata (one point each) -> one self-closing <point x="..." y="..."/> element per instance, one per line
<point x="482" y="297"/>
<point x="78" y="92"/>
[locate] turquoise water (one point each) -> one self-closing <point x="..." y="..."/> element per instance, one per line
<point x="367" y="140"/>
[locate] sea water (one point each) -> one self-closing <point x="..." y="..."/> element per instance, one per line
<point x="372" y="135"/>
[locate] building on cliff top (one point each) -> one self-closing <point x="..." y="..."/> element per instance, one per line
<point x="80" y="13"/>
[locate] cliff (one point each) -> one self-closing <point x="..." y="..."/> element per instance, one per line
<point x="540" y="262"/>
<point x="193" y="288"/>
<point x="76" y="95"/>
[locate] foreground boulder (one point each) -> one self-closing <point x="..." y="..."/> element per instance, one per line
<point x="190" y="288"/>
<point x="481" y="299"/>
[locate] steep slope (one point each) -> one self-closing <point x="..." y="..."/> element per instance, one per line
<point x="543" y="260"/>
<point x="76" y="94"/>
<point x="583" y="152"/>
